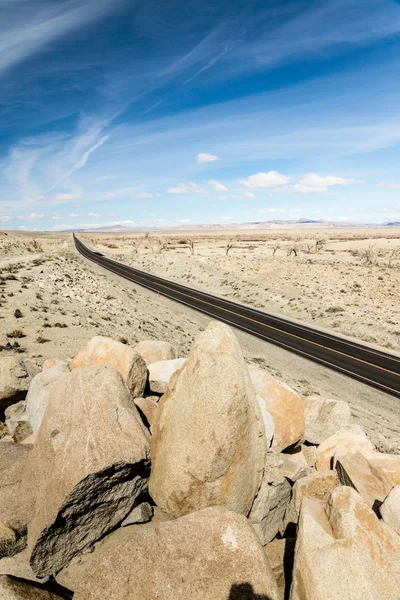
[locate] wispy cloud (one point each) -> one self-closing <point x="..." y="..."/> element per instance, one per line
<point x="35" y="25"/>
<point x="389" y="185"/>
<point x="186" y="188"/>
<point x="315" y="184"/>
<point x="217" y="185"/>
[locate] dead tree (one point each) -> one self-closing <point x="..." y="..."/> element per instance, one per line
<point x="229" y="246"/>
<point x="319" y="245"/>
<point x="190" y="244"/>
<point x="275" y="248"/>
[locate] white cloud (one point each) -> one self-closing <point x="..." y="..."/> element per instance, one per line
<point x="58" y="198"/>
<point x="271" y="179"/>
<point x="187" y="188"/>
<point x="390" y="185"/>
<point x="203" y="157"/>
<point x="249" y="195"/>
<point x="34" y="217"/>
<point x="316" y="184"/>
<point x="144" y="195"/>
<point x="111" y="194"/>
<point x="94" y="215"/>
<point x="56" y="218"/>
<point x="73" y="215"/>
<point x="217" y="185"/>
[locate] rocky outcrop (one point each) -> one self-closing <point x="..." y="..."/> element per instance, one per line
<point x="154" y="350"/>
<point x="212" y="554"/>
<point x="105" y="351"/>
<point x="15" y="377"/>
<point x="147" y="409"/>
<point x="324" y="418"/>
<point x="160" y="374"/>
<point x="88" y="465"/>
<point x="208" y="445"/>
<point x="39" y="393"/>
<point x="344" y="552"/>
<point x="283" y="404"/>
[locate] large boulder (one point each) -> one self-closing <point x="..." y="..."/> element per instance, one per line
<point x="268" y="510"/>
<point x="153" y="351"/>
<point x="390" y="509"/>
<point x="371" y="482"/>
<point x="8" y="540"/>
<point x="15" y="503"/>
<point x="344" y="552"/>
<point x="17" y="422"/>
<point x="212" y="554"/>
<point x="280" y="555"/>
<point x="39" y="393"/>
<point x="18" y="566"/>
<point x="17" y="589"/>
<point x="105" y="351"/>
<point x="324" y="417"/>
<point x="88" y="466"/>
<point x="15" y="377"/>
<point x="345" y="441"/>
<point x="208" y="444"/>
<point x="160" y="374"/>
<point x="283" y="404"/>
<point x="147" y="409"/>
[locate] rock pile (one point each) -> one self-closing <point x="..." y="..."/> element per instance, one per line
<point x="133" y="473"/>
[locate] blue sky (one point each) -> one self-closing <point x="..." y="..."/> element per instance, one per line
<point x="165" y="113"/>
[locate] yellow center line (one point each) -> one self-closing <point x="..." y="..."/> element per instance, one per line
<point x="269" y="326"/>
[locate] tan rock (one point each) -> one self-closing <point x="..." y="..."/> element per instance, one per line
<point x="283" y="404"/>
<point x="18" y="566"/>
<point x="212" y="554"/>
<point x="15" y="589"/>
<point x="345" y="553"/>
<point x="154" y="350"/>
<point x="369" y="481"/>
<point x="88" y="465"/>
<point x="317" y="486"/>
<point x="39" y="392"/>
<point x="324" y="417"/>
<point x="310" y="454"/>
<point x="160" y="373"/>
<point x="49" y="363"/>
<point x="14" y="415"/>
<point x="270" y="505"/>
<point x="15" y="377"/>
<point x="390" y="509"/>
<point x="15" y="504"/>
<point x="280" y="555"/>
<point x="339" y="444"/>
<point x="105" y="351"/>
<point x="389" y="463"/>
<point x="292" y="468"/>
<point x="147" y="409"/>
<point x="208" y="445"/>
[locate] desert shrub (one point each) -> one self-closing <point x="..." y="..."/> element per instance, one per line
<point x="18" y="314"/>
<point x="41" y="340"/>
<point x="17" y="333"/>
<point x="334" y="309"/>
<point x="123" y="340"/>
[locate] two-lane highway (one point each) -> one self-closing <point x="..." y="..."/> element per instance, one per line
<point x="373" y="367"/>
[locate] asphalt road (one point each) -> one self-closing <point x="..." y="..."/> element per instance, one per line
<point x="373" y="367"/>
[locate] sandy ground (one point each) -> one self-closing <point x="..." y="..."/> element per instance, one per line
<point x="65" y="300"/>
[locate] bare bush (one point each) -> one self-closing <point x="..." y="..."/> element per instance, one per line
<point x="228" y="247"/>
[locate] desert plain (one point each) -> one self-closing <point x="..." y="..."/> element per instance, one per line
<point x="345" y="280"/>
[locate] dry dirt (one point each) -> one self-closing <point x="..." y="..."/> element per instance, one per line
<point x="350" y="284"/>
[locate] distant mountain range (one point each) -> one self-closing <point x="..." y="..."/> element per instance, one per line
<point x="252" y="225"/>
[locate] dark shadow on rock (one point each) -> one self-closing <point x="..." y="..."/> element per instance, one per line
<point x="288" y="560"/>
<point x="244" y="591"/>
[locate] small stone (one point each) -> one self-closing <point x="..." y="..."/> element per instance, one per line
<point x="140" y="514"/>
